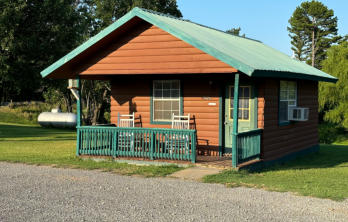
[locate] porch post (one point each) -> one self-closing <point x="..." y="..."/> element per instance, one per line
<point x="235" y="121"/>
<point x="78" y="115"/>
<point x="78" y="104"/>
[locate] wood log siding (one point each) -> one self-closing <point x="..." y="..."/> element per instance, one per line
<point x="133" y="95"/>
<point x="150" y="50"/>
<point x="278" y="140"/>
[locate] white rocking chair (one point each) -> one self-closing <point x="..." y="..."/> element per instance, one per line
<point x="179" y="122"/>
<point x="126" y="139"/>
<point x="125" y="120"/>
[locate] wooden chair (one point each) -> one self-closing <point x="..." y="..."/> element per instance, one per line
<point x="125" y="120"/>
<point x="126" y="139"/>
<point x="179" y="122"/>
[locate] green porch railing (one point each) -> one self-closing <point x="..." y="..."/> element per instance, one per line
<point x="152" y="143"/>
<point x="249" y="145"/>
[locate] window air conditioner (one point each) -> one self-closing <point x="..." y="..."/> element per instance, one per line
<point x="298" y="114"/>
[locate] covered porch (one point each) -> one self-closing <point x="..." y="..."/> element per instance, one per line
<point x="167" y="144"/>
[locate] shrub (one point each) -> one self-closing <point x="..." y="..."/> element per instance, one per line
<point x="329" y="133"/>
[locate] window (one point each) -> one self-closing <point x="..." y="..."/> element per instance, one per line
<point x="244" y="102"/>
<point x="287" y="98"/>
<point x="166" y="99"/>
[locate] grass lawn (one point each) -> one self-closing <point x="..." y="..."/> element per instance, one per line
<point x="32" y="144"/>
<point x="324" y="175"/>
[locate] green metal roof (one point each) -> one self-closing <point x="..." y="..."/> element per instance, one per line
<point x="248" y="56"/>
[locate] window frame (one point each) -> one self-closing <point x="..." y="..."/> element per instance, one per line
<point x="240" y="108"/>
<point x="286" y="122"/>
<point x="163" y="122"/>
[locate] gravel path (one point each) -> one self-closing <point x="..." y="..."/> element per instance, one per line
<point x="32" y="193"/>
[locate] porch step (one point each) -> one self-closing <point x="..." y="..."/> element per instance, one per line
<point x="195" y="173"/>
<point x="248" y="164"/>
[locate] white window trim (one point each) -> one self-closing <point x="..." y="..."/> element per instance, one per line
<point x="287" y="100"/>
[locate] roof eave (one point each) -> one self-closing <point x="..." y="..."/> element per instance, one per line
<point x="292" y="75"/>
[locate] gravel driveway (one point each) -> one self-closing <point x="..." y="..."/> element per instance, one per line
<point x="32" y="193"/>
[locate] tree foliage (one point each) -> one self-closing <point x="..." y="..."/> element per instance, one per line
<point x="108" y="11"/>
<point x="235" y="31"/>
<point x="333" y="98"/>
<point x="313" y="29"/>
<point x="33" y="35"/>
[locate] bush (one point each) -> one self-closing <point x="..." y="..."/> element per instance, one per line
<point x="329" y="133"/>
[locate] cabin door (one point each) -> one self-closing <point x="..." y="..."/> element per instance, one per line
<point x="247" y="112"/>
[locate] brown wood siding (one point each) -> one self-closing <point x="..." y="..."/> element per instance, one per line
<point x="278" y="141"/>
<point x="198" y="93"/>
<point x="133" y="95"/>
<point x="147" y="49"/>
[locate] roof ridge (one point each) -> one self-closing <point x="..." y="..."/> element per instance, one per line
<point x="187" y="20"/>
<point x="160" y="13"/>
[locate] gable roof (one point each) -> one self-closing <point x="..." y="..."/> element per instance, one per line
<point x="249" y="56"/>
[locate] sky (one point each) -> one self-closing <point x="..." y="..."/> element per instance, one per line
<point x="264" y="20"/>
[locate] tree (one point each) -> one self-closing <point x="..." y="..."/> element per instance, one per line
<point x="313" y="29"/>
<point x="333" y="98"/>
<point x="33" y="35"/>
<point x="108" y="11"/>
<point x="235" y="31"/>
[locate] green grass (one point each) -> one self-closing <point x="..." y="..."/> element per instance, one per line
<point x="35" y="145"/>
<point x="323" y="174"/>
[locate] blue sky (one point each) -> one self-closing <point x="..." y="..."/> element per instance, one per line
<point x="264" y="20"/>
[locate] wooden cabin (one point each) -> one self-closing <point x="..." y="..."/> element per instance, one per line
<point x="160" y="65"/>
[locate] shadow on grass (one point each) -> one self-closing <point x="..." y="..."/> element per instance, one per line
<point x="328" y="156"/>
<point x="17" y="131"/>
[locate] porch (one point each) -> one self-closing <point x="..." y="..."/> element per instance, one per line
<point x="158" y="144"/>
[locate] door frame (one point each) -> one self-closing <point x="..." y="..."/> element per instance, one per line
<point x="223" y="92"/>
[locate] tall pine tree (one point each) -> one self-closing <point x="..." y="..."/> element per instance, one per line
<point x="313" y="29"/>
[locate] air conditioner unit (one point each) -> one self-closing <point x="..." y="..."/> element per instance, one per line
<point x="298" y="114"/>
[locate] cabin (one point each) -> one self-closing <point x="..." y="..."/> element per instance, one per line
<point x="161" y="67"/>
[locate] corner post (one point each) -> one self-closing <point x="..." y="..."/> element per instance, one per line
<point x="78" y="105"/>
<point x="193" y="147"/>
<point x="235" y="121"/>
<point x="78" y="115"/>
